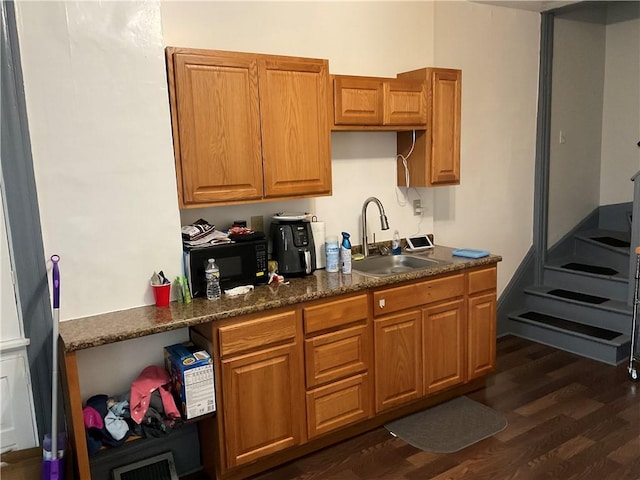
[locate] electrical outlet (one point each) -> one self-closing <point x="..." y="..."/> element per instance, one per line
<point x="417" y="207"/>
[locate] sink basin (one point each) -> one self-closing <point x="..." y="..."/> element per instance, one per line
<point x="381" y="266"/>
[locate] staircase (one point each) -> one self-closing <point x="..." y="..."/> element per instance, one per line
<point x="582" y="305"/>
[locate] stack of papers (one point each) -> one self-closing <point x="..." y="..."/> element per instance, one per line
<point x="213" y="237"/>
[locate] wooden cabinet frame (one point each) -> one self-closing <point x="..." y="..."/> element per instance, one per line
<point x="376" y="103"/>
<point x="481" y="317"/>
<point x="435" y="157"/>
<point x="398" y="359"/>
<point x="248" y="127"/>
<point x="263" y="360"/>
<point x="444" y="345"/>
<point x="338" y="363"/>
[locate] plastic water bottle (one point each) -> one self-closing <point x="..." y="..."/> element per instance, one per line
<point x="212" y="275"/>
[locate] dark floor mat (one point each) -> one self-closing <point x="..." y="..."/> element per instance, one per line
<point x="580" y="297"/>
<point x="584" y="267"/>
<point x="612" y="242"/>
<point x="571" y="326"/>
<point x="450" y="426"/>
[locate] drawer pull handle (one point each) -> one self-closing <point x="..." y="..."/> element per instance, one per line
<point x="381" y="303"/>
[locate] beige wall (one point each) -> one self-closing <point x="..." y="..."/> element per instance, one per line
<point x="621" y="111"/>
<point x="596" y="98"/>
<point x="577" y="90"/>
<point x="97" y="103"/>
<point x="373" y="38"/>
<point x="498" y="51"/>
<point x="498" y="111"/>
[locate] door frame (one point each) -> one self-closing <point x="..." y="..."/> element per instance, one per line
<point x="23" y="220"/>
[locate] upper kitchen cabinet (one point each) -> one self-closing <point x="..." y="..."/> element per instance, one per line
<point x="248" y="127"/>
<point x="373" y="103"/>
<point x="435" y="159"/>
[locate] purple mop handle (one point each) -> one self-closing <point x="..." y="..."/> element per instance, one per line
<point x="56" y="281"/>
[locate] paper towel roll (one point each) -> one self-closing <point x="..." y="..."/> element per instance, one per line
<point x="317" y="230"/>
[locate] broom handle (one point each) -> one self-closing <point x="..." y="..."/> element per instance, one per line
<point x="54" y="370"/>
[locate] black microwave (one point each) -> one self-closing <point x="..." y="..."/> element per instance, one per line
<point x="240" y="263"/>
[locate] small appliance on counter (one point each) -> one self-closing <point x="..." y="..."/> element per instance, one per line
<point x="240" y="263"/>
<point x="292" y="244"/>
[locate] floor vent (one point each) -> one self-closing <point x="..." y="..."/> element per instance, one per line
<point x="158" y="467"/>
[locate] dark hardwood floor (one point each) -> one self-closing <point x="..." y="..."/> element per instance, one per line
<point x="569" y="418"/>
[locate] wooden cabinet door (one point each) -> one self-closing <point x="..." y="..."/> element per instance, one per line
<point x="398" y="360"/>
<point x="444" y="345"/>
<point x="405" y="102"/>
<point x="435" y="157"/>
<point x="263" y="405"/>
<point x="357" y="101"/>
<point x="216" y="126"/>
<point x="482" y="335"/>
<point x="296" y="142"/>
<point x="445" y="92"/>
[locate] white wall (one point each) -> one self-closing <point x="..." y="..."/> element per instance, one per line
<point x="96" y="95"/>
<point x="577" y="92"/>
<point x="621" y="111"/>
<point x="498" y="51"/>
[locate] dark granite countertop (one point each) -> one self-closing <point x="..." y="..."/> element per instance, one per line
<point x="112" y="327"/>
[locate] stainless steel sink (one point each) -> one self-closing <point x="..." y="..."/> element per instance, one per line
<point x="381" y="266"/>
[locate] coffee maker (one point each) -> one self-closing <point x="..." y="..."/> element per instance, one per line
<point x="292" y="247"/>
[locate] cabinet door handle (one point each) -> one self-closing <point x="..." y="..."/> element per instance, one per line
<point x="381" y="303"/>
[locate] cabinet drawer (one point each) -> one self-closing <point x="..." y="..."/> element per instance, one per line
<point x="405" y="102"/>
<point x="336" y="355"/>
<point x="422" y="293"/>
<point x="335" y="314"/>
<point x="481" y="280"/>
<point x="338" y="404"/>
<point x="357" y="100"/>
<point x="260" y="332"/>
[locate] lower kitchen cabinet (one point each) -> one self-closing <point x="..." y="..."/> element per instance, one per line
<point x="482" y="335"/>
<point x="337" y="359"/>
<point x="263" y="413"/>
<point x="397" y="359"/>
<point x="262" y="386"/>
<point x="292" y="380"/>
<point x="419" y="348"/>
<point x="481" y="314"/>
<point x="444" y="345"/>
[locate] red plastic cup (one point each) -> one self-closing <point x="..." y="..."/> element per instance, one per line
<point x="161" y="294"/>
